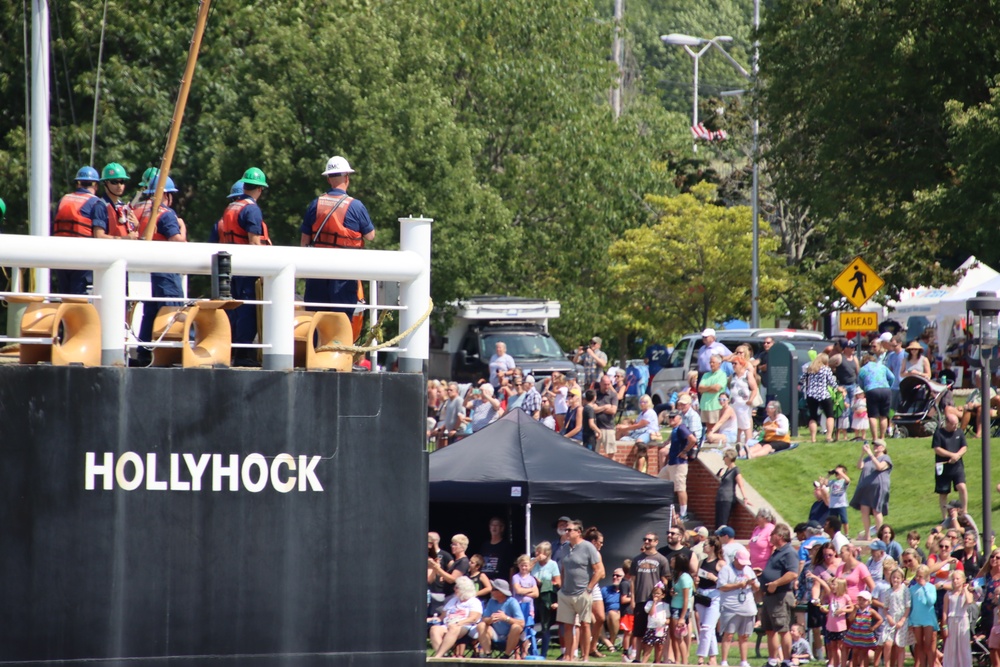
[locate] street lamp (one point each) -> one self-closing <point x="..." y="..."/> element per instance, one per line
<point x="982" y="315"/>
<point x="687" y="41"/>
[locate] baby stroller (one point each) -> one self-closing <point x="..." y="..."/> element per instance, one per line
<point x="921" y="407"/>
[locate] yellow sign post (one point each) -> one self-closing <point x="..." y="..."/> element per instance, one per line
<point x="858" y="282"/>
<point x="858" y="321"/>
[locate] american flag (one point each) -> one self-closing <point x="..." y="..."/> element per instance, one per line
<point x="701" y="132"/>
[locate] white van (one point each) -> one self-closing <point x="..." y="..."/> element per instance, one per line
<point x="684" y="358"/>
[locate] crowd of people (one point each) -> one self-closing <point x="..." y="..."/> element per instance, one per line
<point x="809" y="591"/>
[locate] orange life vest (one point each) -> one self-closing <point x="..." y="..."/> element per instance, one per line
<point x="229" y="226"/>
<point x="117" y="223"/>
<point x="69" y="219"/>
<point x="328" y="230"/>
<point x="143" y="216"/>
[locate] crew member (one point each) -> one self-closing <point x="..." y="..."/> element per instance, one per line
<point x="79" y="214"/>
<point x="235" y="192"/>
<point x="148" y="177"/>
<point x="243" y="224"/>
<point x="168" y="228"/>
<point x="336" y="220"/>
<point x="122" y="223"/>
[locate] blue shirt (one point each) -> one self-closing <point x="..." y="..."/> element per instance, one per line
<point x="509" y="607"/>
<point x="96" y="209"/>
<point x="679" y="440"/>
<point x="875" y="376"/>
<point x="656" y="356"/>
<point x="356" y="218"/>
<point x="251" y="218"/>
<point x="894" y="362"/>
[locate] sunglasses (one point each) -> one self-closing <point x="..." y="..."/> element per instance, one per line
<point x="116" y="182"/>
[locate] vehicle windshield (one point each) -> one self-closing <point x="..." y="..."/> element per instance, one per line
<point x="523" y="345"/>
<point x="677" y="358"/>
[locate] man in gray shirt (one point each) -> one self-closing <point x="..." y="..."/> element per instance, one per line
<point x="451" y="420"/>
<point x="581" y="569"/>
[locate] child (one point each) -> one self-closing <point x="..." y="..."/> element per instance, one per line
<point x="658" y="614"/>
<point x="525" y="586"/>
<point x="957" y="642"/>
<point x="923" y="620"/>
<point x="838" y="606"/>
<point x="880" y="601"/>
<point x="628" y="617"/>
<point x="861" y="635"/>
<point x="859" y="415"/>
<point x="801" y="651"/>
<point x="680" y="606"/>
<point x="913" y="541"/>
<point x="839" y="481"/>
<point x="897" y="607"/>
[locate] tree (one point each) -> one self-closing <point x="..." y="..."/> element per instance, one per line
<point x="855" y="97"/>
<point x="691" y="269"/>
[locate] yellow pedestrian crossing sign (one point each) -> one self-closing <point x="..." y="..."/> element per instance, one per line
<point x="858" y="282"/>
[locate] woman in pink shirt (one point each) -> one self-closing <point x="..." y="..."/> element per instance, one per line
<point x="760" y="540"/>
<point x="855" y="573"/>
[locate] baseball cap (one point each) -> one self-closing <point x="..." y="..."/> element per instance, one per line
<point x="708" y="332"/>
<point x="865" y="594"/>
<point x="529" y="379"/>
<point x="851" y="343"/>
<point x="337" y="165"/>
<point x="742" y="557"/>
<point x="563" y="518"/>
<point x="814" y="525"/>
<point x="701" y="531"/>
<point x="596" y="339"/>
<point x="575" y="391"/>
<point x="885" y="337"/>
<point x="683" y="398"/>
<point x="725" y="531"/>
<point x="674" y="413"/>
<point x="877" y="545"/>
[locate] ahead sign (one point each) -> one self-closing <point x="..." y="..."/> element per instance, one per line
<point x="858" y="321"/>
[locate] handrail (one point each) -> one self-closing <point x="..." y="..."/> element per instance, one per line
<point x="278" y="266"/>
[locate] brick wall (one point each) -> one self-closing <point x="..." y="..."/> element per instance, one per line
<point x="702" y="486"/>
<point x="626" y="455"/>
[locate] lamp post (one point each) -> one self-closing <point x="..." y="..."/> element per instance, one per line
<point x="983" y="310"/>
<point x="687" y="41"/>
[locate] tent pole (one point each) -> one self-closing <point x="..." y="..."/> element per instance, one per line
<point x="527" y="528"/>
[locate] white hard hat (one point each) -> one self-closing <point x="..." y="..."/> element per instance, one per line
<point x="337" y="165"/>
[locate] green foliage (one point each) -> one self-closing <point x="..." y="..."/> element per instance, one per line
<point x="858" y="99"/>
<point x="491" y="118"/>
<point x="691" y="269"/>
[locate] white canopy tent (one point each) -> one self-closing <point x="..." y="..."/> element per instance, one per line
<point x="943" y="306"/>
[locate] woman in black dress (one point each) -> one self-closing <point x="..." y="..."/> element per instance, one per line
<point x="729" y="478"/>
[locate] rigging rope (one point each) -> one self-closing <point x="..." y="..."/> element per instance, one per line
<point x="97" y="84"/>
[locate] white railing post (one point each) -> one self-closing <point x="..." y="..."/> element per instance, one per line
<point x="279" y="320"/>
<point x="415" y="237"/>
<point x="109" y="283"/>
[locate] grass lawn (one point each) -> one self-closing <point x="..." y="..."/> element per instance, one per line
<point x="785" y="479"/>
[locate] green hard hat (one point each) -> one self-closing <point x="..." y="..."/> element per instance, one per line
<point x="254" y="176"/>
<point x="113" y="171"/>
<point x="148" y="176"/>
<point x="3" y="209"/>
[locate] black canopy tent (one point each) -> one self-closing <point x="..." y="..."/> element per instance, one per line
<point x="517" y="462"/>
